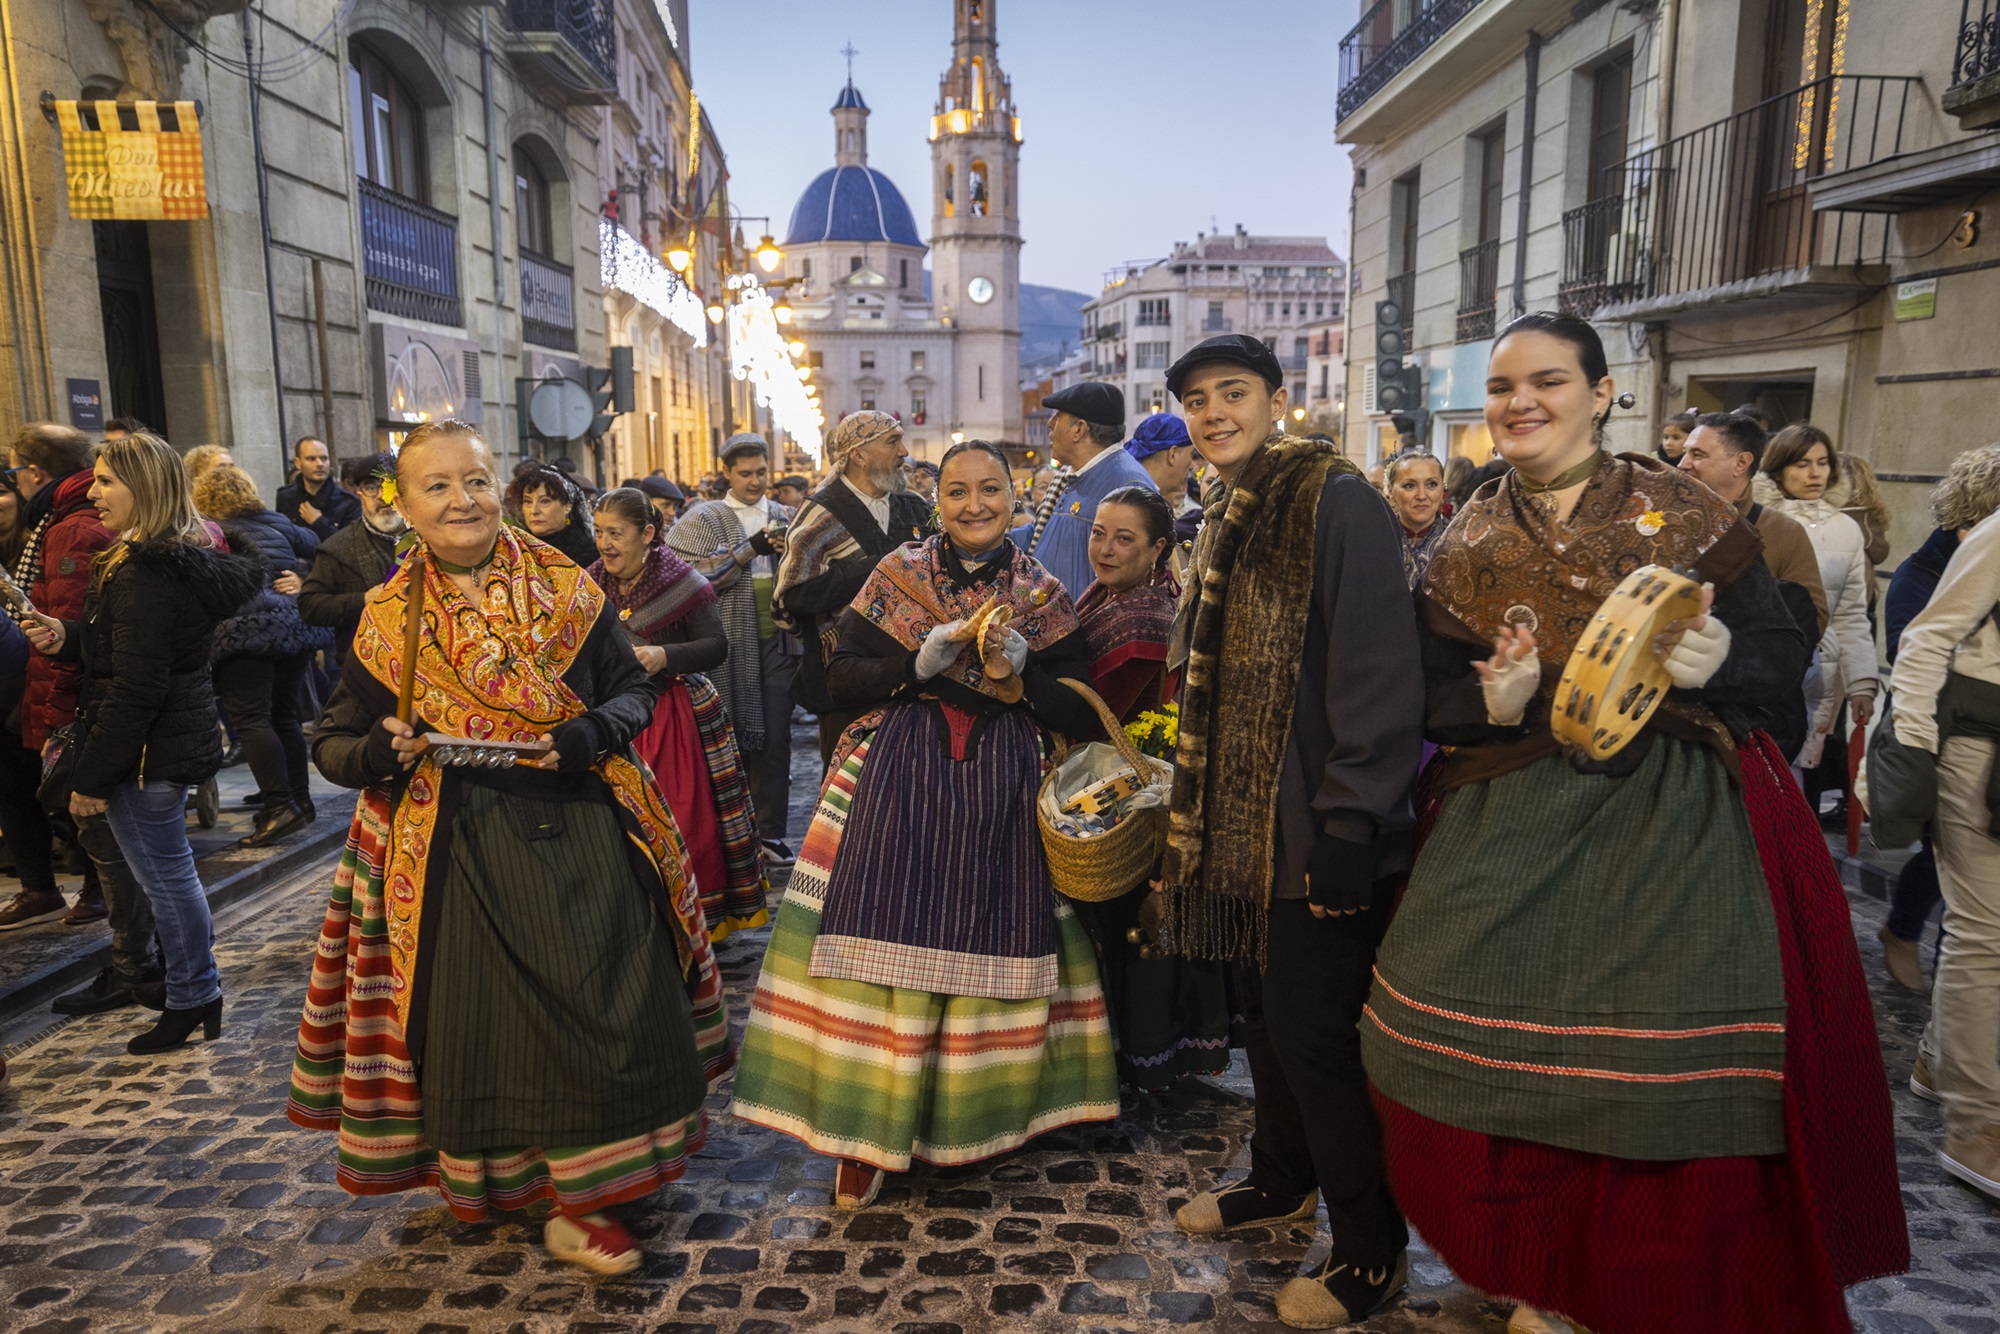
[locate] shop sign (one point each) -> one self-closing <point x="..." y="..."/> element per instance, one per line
<point x="86" y="405"/>
<point x="1916" y="301"/>
<point x="147" y="172"/>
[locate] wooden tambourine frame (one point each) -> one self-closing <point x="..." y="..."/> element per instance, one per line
<point x="1614" y="681"/>
<point x="452" y="751"/>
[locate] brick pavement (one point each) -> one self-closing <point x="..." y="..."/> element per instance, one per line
<point x="140" y="1195"/>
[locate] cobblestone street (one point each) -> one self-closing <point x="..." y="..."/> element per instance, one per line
<point x="162" y="1194"/>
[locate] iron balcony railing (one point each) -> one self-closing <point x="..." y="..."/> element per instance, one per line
<point x="1732" y="201"/>
<point x="1218" y="324"/>
<point x="409" y="256"/>
<point x="1478" y="280"/>
<point x="587" y="25"/>
<point x="1401" y="288"/>
<point x="548" y="313"/>
<point x="1391" y="35"/>
<point x="1978" y="42"/>
<point x="1111" y="330"/>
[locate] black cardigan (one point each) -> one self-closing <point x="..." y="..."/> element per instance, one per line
<point x="352" y="749"/>
<point x="147" y="708"/>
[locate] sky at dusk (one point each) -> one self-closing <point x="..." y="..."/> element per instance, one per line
<point x="1143" y="121"/>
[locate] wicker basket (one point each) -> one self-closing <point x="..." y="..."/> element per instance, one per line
<point x="1106" y="865"/>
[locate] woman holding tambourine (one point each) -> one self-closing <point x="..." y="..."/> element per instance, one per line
<point x="1619" y="1035"/>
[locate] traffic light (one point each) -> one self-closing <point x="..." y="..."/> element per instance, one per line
<point x="621" y="379"/>
<point x="610" y="390"/>
<point x="1391" y="380"/>
<point x="1401" y="393"/>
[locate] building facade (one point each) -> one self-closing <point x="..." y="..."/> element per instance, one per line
<point x="1789" y="223"/>
<point x="1277" y="288"/>
<point x="433" y="175"/>
<point x="940" y="352"/>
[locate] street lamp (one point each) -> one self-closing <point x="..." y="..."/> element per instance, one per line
<point x="781" y="309"/>
<point x="678" y="258"/>
<point x="715" y="312"/>
<point x="1298" y="414"/>
<point x="769" y="257"/>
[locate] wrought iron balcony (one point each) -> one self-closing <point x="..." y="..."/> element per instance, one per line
<point x="1727" y="211"/>
<point x="1478" y="281"/>
<point x="409" y="256"/>
<point x="571" y="44"/>
<point x="1391" y="35"/>
<point x="1112" y="330"/>
<point x="1218" y="324"/>
<point x="548" y="311"/>
<point x="1974" y="95"/>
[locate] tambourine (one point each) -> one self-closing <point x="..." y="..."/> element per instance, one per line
<point x="1614" y="681"/>
<point x="1103" y="795"/>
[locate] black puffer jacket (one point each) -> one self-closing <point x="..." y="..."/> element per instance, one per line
<point x="270" y="626"/>
<point x="147" y="708"/>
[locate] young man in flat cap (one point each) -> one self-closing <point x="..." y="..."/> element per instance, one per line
<point x="863" y="512"/>
<point x="1301" y="725"/>
<point x="1084" y="436"/>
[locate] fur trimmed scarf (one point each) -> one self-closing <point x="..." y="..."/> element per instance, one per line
<point x="1246" y="604"/>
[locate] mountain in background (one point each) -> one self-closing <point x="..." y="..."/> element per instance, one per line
<point x="1051" y="321"/>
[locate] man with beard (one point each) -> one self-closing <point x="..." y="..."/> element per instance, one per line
<point x="864" y="511"/>
<point x="355" y="559"/>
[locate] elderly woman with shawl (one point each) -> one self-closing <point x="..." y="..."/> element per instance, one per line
<point x="925" y="993"/>
<point x="669" y="610"/>
<point x="1619" y="1035"/>
<point x="514" y="997"/>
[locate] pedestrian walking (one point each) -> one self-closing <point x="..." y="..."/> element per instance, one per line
<point x="669" y="611"/>
<point x="146" y="713"/>
<point x="863" y="512"/>
<point x="528" y="938"/>
<point x="1621" y="991"/>
<point x="1947" y="692"/>
<point x="1085" y="435"/>
<point x="1299" y="737"/>
<point x="920" y="914"/>
<point x="313" y="499"/>
<point x="262" y="653"/>
<point x="736" y="543"/>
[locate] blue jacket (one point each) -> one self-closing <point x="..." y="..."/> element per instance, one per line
<point x="1065" y="546"/>
<point x="1915" y="580"/>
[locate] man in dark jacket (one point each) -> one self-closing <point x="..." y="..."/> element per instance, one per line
<point x="355" y="559"/>
<point x="837" y="538"/>
<point x="1301" y="727"/>
<point x="313" y="499"/>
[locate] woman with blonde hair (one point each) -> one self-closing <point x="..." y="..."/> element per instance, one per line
<point x="203" y="457"/>
<point x="147" y="717"/>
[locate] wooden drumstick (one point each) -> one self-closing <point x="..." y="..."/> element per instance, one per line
<point x="413" y="633"/>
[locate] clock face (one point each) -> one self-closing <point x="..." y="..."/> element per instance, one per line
<point x="980" y="290"/>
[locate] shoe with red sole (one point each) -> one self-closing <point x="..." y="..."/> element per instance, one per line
<point x="594" y="1241"/>
<point x="856" y="1184"/>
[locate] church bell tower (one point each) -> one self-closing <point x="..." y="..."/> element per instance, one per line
<point x="976" y="227"/>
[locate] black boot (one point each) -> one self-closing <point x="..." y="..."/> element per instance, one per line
<point x="108" y="991"/>
<point x="275" y="823"/>
<point x="176" y="1026"/>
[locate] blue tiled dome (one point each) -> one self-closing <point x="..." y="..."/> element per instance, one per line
<point x="850" y="99"/>
<point x="852" y="204"/>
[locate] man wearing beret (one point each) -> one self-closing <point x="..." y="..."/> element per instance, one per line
<point x="1084" y="436"/>
<point x="1164" y="449"/>
<point x="1301" y="724"/>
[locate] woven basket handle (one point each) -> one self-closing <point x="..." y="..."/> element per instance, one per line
<point x="1140" y="761"/>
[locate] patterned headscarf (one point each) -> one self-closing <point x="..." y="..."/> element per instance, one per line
<point x="855" y="430"/>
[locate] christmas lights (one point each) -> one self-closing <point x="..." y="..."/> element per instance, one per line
<point x="758" y="356"/>
<point x="629" y="267"/>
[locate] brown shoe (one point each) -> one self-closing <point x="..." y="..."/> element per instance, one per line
<point x="89" y="908"/>
<point x="31" y="906"/>
<point x="1974" y="1159"/>
<point x="1903" y="961"/>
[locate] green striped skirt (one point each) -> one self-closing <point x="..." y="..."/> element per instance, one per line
<point x="888" y="1074"/>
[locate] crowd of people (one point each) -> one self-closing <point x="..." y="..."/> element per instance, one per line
<point x="1595" y="1024"/>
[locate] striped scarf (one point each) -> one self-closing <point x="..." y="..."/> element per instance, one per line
<point x="1047" y="509"/>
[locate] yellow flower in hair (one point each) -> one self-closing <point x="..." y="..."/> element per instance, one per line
<point x="388" y="490"/>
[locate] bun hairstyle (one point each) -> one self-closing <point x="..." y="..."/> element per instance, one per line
<point x="628" y="504"/>
<point x="445" y="428"/>
<point x="1582" y="339"/>
<point x="1154" y="510"/>
<point x="981" y="446"/>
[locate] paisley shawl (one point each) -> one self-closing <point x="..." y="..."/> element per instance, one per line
<point x="1506" y="562"/>
<point x="910" y="594"/>
<point x="493" y="672"/>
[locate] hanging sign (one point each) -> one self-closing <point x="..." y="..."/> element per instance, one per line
<point x="148" y="172"/>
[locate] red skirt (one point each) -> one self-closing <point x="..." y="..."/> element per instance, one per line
<point x="671" y="747"/>
<point x="1724" y="1244"/>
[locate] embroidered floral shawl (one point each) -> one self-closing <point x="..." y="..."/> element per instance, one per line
<point x="494" y="672"/>
<point x="910" y="594"/>
<point x="667" y="590"/>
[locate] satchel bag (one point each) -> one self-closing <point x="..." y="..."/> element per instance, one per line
<point x="59" y="766"/>
<point x="1901" y="792"/>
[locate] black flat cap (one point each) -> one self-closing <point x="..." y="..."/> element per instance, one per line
<point x="1093" y="401"/>
<point x="659" y="488"/>
<point x="1235" y="349"/>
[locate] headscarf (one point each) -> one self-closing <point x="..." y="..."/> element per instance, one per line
<point x="1162" y="430"/>
<point x="855" y="430"/>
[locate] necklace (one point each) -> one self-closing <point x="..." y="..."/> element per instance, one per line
<point x="1568" y="477"/>
<point x="473" y="568"/>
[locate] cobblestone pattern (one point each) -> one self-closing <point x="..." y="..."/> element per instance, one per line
<point x="139" y="1195"/>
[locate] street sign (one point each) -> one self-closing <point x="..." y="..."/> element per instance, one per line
<point x="561" y="409"/>
<point x="1917" y="300"/>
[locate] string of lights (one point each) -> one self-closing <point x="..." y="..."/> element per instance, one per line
<point x="627" y="266"/>
<point x="762" y="357"/>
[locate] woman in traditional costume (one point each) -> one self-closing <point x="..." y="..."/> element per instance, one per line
<point x="925" y="993"/>
<point x="1171" y="1015"/>
<point x="550" y="504"/>
<point x="1619" y="1034"/>
<point x="669" y="610"/>
<point x="1414" y="483"/>
<point x="514" y="997"/>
